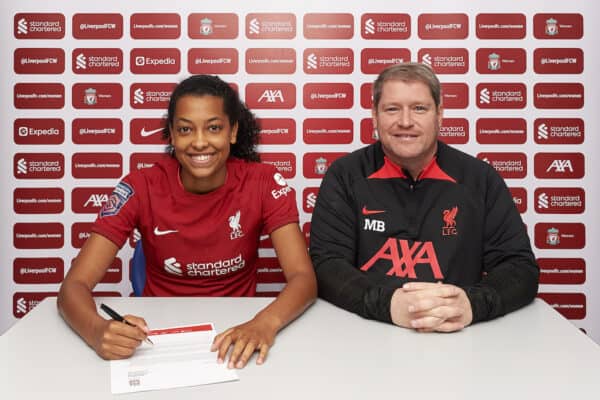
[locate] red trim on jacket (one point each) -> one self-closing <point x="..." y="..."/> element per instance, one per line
<point x="392" y="170"/>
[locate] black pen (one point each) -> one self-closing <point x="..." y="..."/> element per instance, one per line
<point x="118" y="317"/>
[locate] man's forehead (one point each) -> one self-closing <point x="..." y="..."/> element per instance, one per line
<point x="416" y="89"/>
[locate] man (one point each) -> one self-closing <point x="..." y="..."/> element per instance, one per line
<point x="411" y="231"/>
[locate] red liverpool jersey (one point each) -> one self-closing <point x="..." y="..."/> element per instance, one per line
<point x="199" y="244"/>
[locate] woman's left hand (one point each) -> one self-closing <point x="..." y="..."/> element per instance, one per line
<point x="255" y="335"/>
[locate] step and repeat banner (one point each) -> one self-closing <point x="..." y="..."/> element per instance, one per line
<point x="87" y="86"/>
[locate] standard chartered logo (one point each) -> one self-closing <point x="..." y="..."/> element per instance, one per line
<point x="22" y="166"/>
<point x="426" y="59"/>
<point x="81" y="62"/>
<point x="22" y="27"/>
<point x="138" y="96"/>
<point x="543" y="200"/>
<point x="173" y="267"/>
<point x="311" y="61"/>
<point x="21" y="306"/>
<point x="370" y="26"/>
<point x="311" y="200"/>
<point x="484" y="96"/>
<point x="254" y="26"/>
<point x="542" y="131"/>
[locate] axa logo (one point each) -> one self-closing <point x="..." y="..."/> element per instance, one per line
<point x="271" y="96"/>
<point x="235" y="225"/>
<point x="404" y="257"/>
<point x="449" y="217"/>
<point x="96" y="200"/>
<point x="560" y="166"/>
<point x="172" y="266"/>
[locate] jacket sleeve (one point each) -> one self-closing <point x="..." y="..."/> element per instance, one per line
<point x="333" y="248"/>
<point x="510" y="271"/>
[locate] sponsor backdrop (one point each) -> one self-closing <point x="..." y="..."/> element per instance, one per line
<point x="87" y="84"/>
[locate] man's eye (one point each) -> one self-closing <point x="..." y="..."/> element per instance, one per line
<point x="420" y="108"/>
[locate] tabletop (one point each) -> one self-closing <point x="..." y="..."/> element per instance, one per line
<point x="326" y="353"/>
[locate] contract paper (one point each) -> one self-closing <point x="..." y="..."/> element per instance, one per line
<point x="180" y="356"/>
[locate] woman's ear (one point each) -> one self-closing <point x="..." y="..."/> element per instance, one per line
<point x="234" y="131"/>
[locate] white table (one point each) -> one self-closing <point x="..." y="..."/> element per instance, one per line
<point x="327" y="353"/>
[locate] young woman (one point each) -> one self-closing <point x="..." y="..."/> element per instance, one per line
<point x="201" y="212"/>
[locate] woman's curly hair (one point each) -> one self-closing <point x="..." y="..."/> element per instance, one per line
<point x="234" y="108"/>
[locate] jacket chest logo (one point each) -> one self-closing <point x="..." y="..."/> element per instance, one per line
<point x="449" y="219"/>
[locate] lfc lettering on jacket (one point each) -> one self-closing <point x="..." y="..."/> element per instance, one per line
<point x="404" y="257"/>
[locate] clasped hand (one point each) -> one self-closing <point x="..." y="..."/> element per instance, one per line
<point x="428" y="307"/>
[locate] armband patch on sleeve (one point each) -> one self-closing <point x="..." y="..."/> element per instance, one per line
<point x="117" y="200"/>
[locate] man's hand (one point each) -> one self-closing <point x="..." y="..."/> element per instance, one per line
<point x="428" y="307"/>
<point x="255" y="335"/>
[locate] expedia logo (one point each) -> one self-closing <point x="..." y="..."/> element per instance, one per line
<point x="328" y="95"/>
<point x="155" y="61"/>
<point x="328" y="26"/>
<point x="519" y="196"/>
<point x="39" y="131"/>
<point x="385" y="26"/>
<point x="283" y="190"/>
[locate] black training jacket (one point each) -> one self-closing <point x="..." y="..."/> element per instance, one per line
<point x="375" y="228"/>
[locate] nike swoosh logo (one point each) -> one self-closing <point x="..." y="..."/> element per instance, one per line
<point x="371" y="212"/>
<point x="158" y="232"/>
<point x="145" y="133"/>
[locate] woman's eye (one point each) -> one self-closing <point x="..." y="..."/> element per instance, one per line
<point x="215" y="128"/>
<point x="183" y="129"/>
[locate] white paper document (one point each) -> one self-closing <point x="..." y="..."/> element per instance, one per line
<point x="180" y="356"/>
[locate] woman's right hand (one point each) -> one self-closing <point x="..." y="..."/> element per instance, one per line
<point x="114" y="340"/>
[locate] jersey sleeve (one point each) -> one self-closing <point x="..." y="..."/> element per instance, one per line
<point x="119" y="215"/>
<point x="333" y="245"/>
<point x="511" y="273"/>
<point x="278" y="200"/>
